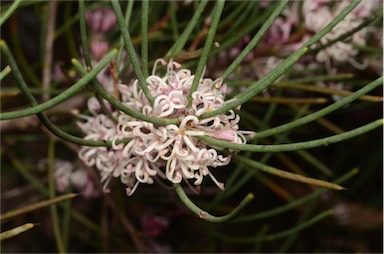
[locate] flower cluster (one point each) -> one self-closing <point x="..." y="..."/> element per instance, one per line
<point x="67" y="176"/>
<point x="171" y="151"/>
<point x="286" y="35"/>
<point x="318" y="14"/>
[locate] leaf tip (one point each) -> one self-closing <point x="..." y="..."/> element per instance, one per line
<point x="250" y="196"/>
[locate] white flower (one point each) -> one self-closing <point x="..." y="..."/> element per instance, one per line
<point x="172" y="152"/>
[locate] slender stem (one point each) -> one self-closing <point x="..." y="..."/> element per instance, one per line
<point x="313" y="79"/>
<point x="207" y="47"/>
<point x="65" y="222"/>
<point x="48" y="49"/>
<point x="327" y="90"/>
<point x="44" y="190"/>
<point x="279" y="235"/>
<point x="69" y="22"/>
<point x="180" y="43"/>
<point x="9" y="11"/>
<point x="255" y="39"/>
<point x="144" y="36"/>
<point x="28" y="69"/>
<point x="286" y="174"/>
<point x="131" y="50"/>
<point x="15" y="231"/>
<point x="327" y="110"/>
<point x="322" y="121"/>
<point x="103" y="93"/>
<point x="299" y="227"/>
<point x="314" y="161"/>
<point x="240" y="27"/>
<point x="303" y="153"/>
<point x="268" y="80"/>
<point x="294" y="203"/>
<point x="289" y="100"/>
<point x="56" y="100"/>
<point x="345" y="35"/>
<point x="43" y="118"/>
<point x="237" y="10"/>
<point x="105" y="110"/>
<point x="5" y="72"/>
<point x="24" y="172"/>
<point x="187" y="55"/>
<point x="172" y="10"/>
<point x="264" y="159"/>
<point x="294" y="235"/>
<point x="69" y="33"/>
<point x="206" y="216"/>
<point x="128" y="13"/>
<point x="83" y="33"/>
<point x="52" y="195"/>
<point x="295" y="146"/>
<point x="36" y="206"/>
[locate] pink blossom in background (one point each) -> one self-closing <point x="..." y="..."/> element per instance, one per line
<point x="100" y="20"/>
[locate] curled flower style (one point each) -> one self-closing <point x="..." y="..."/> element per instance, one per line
<point x="171" y="152"/>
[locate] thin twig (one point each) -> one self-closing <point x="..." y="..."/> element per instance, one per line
<point x="48" y="54"/>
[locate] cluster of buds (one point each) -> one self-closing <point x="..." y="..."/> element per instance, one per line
<point x="68" y="177"/>
<point x="171" y="151"/>
<point x="318" y="14"/>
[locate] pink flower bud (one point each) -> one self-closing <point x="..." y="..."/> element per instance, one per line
<point x="101" y="20"/>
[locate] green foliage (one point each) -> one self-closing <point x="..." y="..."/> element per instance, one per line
<point x="294" y="131"/>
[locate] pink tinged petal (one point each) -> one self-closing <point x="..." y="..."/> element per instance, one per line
<point x="148" y="169"/>
<point x="140" y="174"/>
<point x="194" y="133"/>
<point x="219" y="184"/>
<point x="222" y="160"/>
<point x="94" y="106"/>
<point x="87" y="155"/>
<point x="177" y="100"/>
<point x="109" y="20"/>
<point x="225" y="134"/>
<point x="126" y="172"/>
<point x="107" y="179"/>
<point x="148" y="149"/>
<point x="161" y="61"/>
<point x="190" y="144"/>
<point x="163" y="154"/>
<point x="79" y="178"/>
<point x="116" y="146"/>
<point x="99" y="48"/>
<point x="89" y="190"/>
<point x="130" y="190"/>
<point x="186" y="170"/>
<point x="193" y="119"/>
<point x="211" y="123"/>
<point x="160" y="100"/>
<point x="177" y="65"/>
<point x="127" y="149"/>
<point x="198" y="177"/>
<point x="180" y="152"/>
<point x="166" y="110"/>
<point x="162" y="145"/>
<point x="171" y="173"/>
